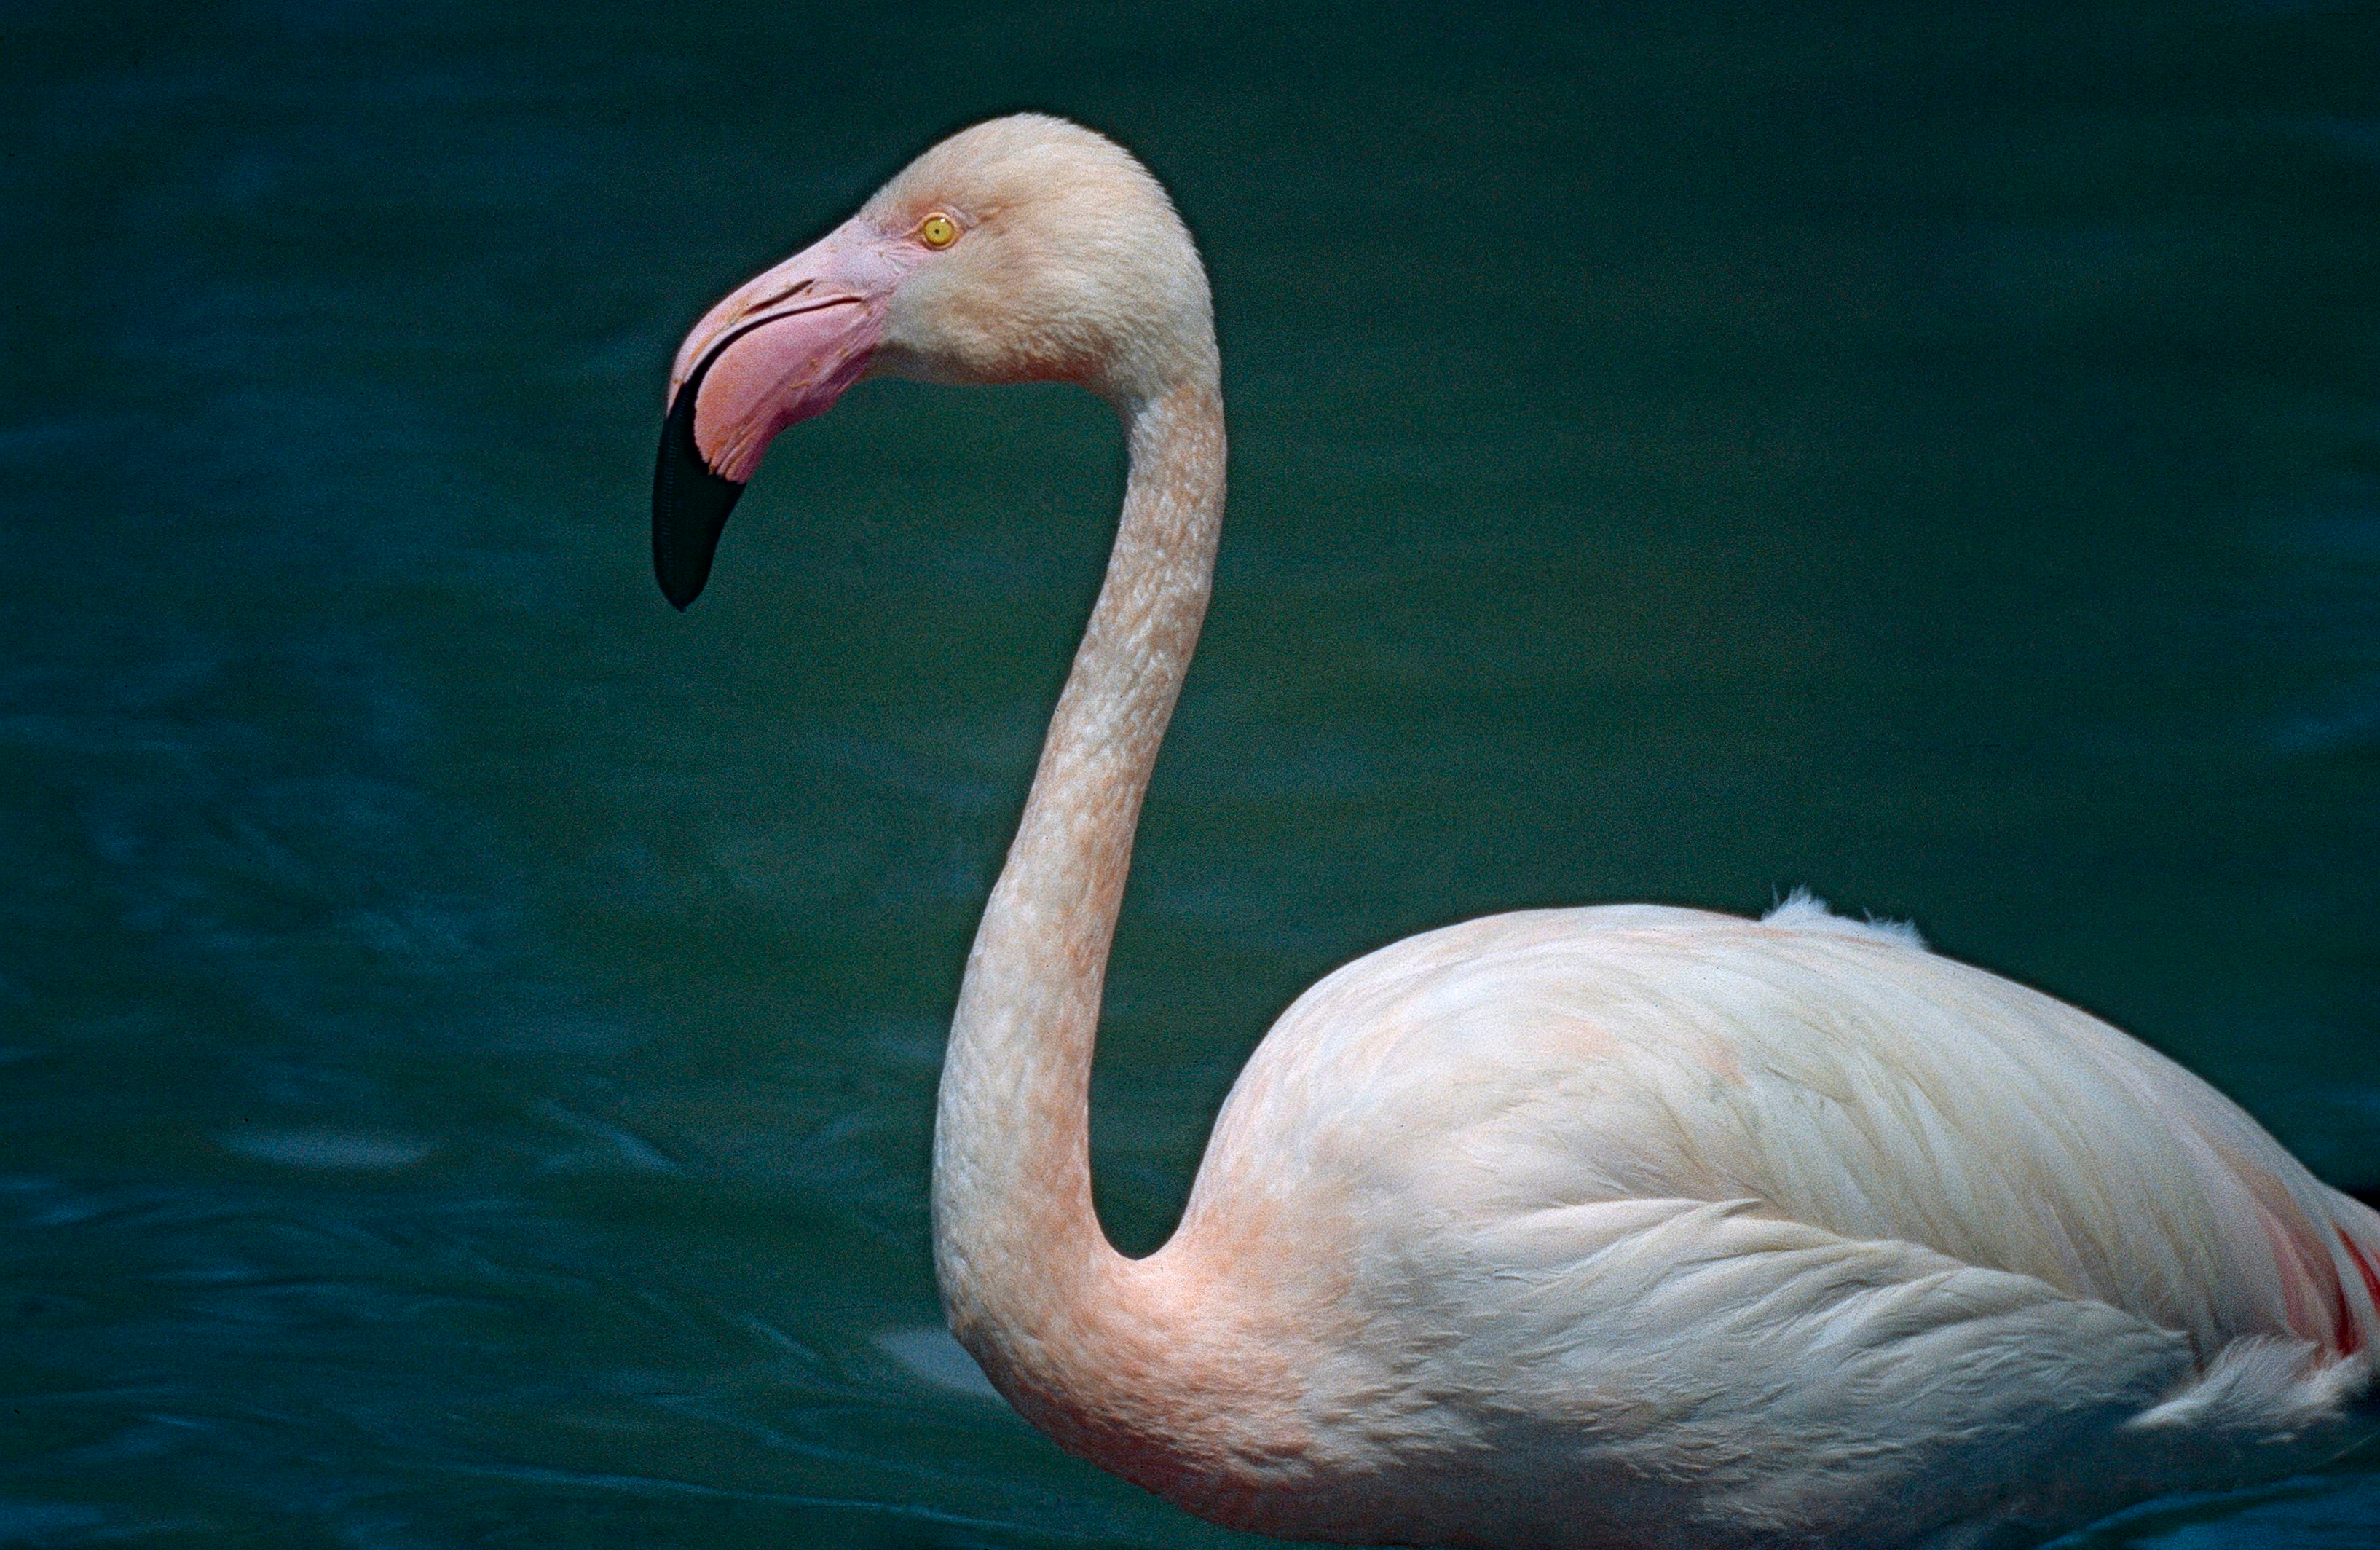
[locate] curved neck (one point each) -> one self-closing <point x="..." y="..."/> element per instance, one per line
<point x="1028" y="1279"/>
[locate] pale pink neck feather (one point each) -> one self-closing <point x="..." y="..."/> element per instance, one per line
<point x="1060" y="1320"/>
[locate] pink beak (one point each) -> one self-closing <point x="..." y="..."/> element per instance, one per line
<point x="780" y="349"/>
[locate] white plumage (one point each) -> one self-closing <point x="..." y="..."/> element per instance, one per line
<point x="1757" y="1230"/>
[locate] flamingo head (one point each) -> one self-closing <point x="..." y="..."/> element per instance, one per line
<point x="1027" y="249"/>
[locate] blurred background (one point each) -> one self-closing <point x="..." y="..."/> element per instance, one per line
<point x="467" y="1032"/>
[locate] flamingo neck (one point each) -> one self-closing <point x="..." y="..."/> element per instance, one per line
<point x="1030" y="1283"/>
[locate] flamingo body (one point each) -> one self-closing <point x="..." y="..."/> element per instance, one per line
<point x="1576" y="1230"/>
<point x="1661" y="1228"/>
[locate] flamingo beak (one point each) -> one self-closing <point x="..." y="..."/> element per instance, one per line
<point x="780" y="351"/>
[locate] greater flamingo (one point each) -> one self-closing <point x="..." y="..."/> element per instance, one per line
<point x="1617" y="1227"/>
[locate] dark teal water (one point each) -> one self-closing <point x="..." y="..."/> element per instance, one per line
<point x="466" y="1032"/>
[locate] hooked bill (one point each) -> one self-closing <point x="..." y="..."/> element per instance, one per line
<point x="766" y="372"/>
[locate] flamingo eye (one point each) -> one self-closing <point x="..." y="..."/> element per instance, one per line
<point x="938" y="230"/>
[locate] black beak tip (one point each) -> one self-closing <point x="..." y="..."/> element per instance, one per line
<point x="690" y="506"/>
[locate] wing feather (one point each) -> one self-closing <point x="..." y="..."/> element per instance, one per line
<point x="1840" y="1074"/>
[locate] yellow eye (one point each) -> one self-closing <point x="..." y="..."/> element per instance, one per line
<point x="938" y="231"/>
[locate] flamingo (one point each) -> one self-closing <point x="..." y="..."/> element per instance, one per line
<point x="1627" y="1226"/>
